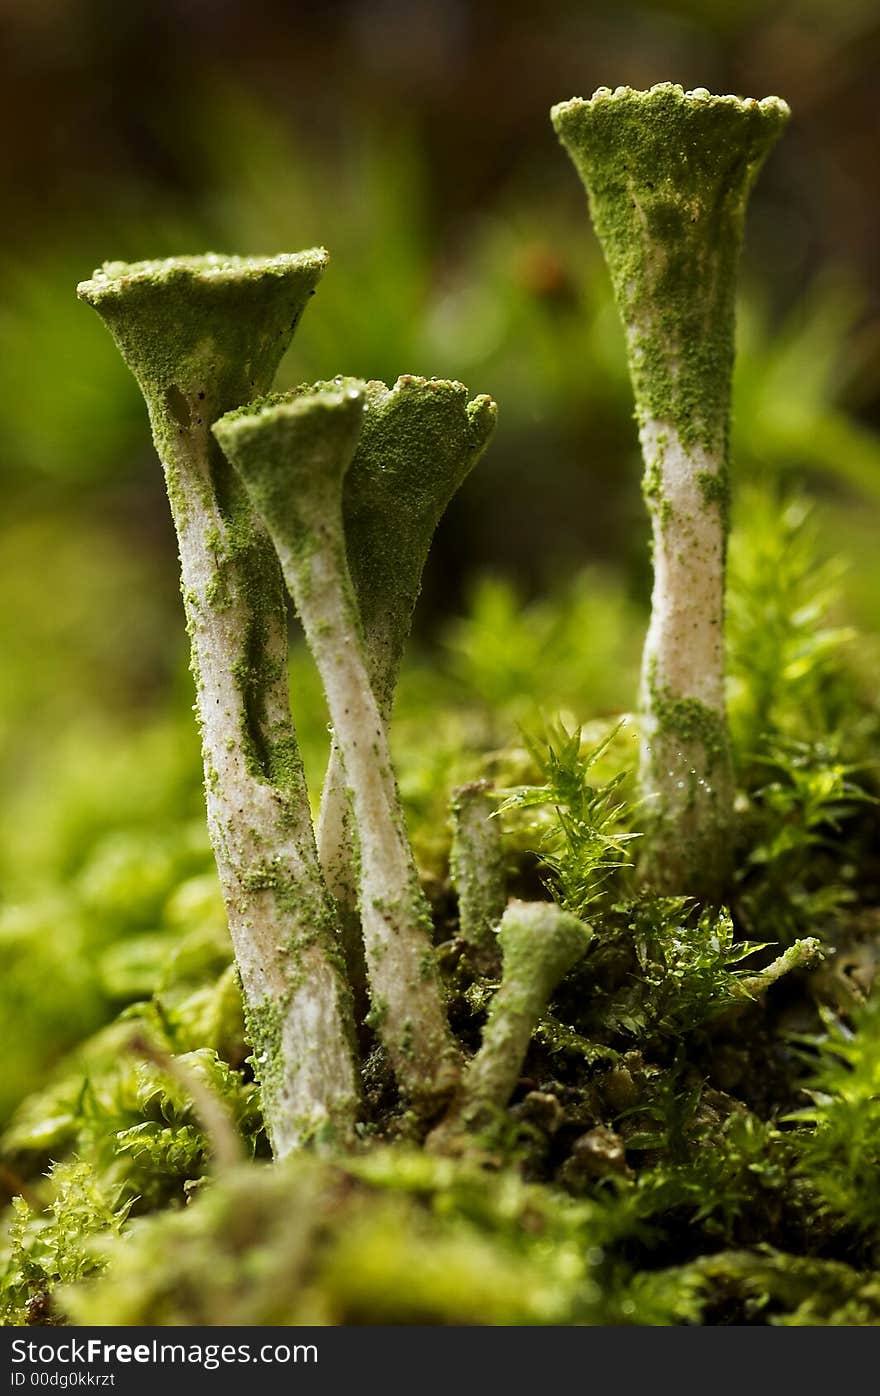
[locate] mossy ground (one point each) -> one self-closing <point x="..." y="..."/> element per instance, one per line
<point x="684" y="1144"/>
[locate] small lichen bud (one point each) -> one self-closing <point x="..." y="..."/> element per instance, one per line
<point x="540" y="943"/>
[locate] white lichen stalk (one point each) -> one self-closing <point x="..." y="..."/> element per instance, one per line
<point x="201" y="335"/>
<point x="685" y="768"/>
<point x="277" y="906"/>
<point x="292" y="454"/>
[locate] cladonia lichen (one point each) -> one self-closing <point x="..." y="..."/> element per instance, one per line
<point x="293" y="453"/>
<point x="668" y="174"/>
<point x="419" y="441"/>
<point x="476" y="864"/>
<point x="203" y="335"/>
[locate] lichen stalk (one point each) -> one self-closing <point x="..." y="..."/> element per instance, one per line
<point x="668" y="174"/>
<point x="803" y="954"/>
<point x="540" y="943"/>
<point x="477" y="870"/>
<point x="202" y="335"/>
<point x="293" y="453"/>
<point x="419" y="441"/>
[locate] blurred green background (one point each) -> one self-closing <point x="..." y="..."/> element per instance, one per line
<point x="412" y="139"/>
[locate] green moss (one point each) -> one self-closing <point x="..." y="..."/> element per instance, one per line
<point x="653" y="493"/>
<point x="767" y="1285"/>
<point x="715" y="488"/>
<point x="428" y="964"/>
<point x="264" y="1024"/>
<point x="583" y="845"/>
<point x="377" y="1015"/>
<point x="53" y="1247"/>
<point x="414" y="1240"/>
<point x="691" y="723"/>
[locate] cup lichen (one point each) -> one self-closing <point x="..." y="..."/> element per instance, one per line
<point x="293" y="453"/>
<point x="203" y="335"/>
<point x="419" y="441"/>
<point x="668" y="174"/>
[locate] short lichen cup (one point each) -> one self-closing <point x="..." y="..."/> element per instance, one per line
<point x="203" y="335"/>
<point x="419" y="441"/>
<point x="668" y="174"/>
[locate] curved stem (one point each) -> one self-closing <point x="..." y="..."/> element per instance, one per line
<point x="540" y="943"/>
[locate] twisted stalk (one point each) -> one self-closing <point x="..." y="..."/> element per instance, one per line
<point x="668" y="174"/>
<point x="203" y="335"/>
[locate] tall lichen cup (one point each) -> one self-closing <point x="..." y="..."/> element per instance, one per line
<point x="203" y="335"/>
<point x="668" y="174"/>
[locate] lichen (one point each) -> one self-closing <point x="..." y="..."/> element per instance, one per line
<point x="293" y="453"/>
<point x="199" y="332"/>
<point x="668" y="174"/>
<point x="540" y="943"/>
<point x="715" y="489"/>
<point x="690" y="723"/>
<point x="419" y="441"/>
<point x="477" y="870"/>
<point x="202" y="335"/>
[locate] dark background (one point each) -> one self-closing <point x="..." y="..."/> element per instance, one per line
<point x="413" y="140"/>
